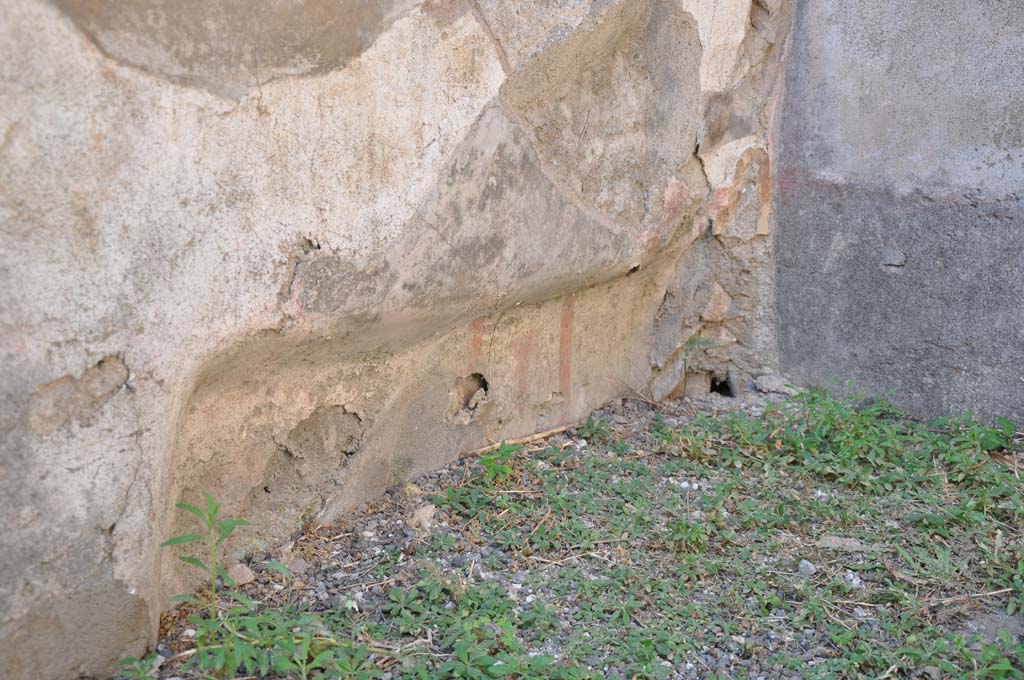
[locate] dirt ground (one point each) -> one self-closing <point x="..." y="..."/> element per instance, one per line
<point x="688" y="539"/>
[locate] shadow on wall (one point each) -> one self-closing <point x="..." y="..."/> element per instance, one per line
<point x="232" y="47"/>
<point x="285" y="430"/>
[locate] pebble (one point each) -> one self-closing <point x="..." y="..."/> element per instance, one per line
<point x="807" y="568"/>
<point x="298" y="565"/>
<point x="423" y="516"/>
<point x="775" y="383"/>
<point x="241" y="574"/>
<point x="853" y="580"/>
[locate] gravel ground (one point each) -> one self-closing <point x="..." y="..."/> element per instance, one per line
<point x="610" y="552"/>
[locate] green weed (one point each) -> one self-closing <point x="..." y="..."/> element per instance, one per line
<point x="497" y="464"/>
<point x="595" y="430"/>
<point x="634" y="575"/>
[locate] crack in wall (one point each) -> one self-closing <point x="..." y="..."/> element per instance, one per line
<point x="498" y="47"/>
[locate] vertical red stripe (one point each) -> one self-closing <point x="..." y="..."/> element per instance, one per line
<point x="565" y="356"/>
<point x="476" y="345"/>
<point x="522" y="355"/>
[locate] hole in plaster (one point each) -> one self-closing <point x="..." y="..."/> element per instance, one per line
<point x="329" y="432"/>
<point x="467" y="395"/>
<point x="633" y="270"/>
<point x="267" y="489"/>
<point x="722" y="385"/>
<point x="470" y="386"/>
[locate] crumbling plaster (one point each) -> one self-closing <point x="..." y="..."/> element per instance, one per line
<point x="264" y="272"/>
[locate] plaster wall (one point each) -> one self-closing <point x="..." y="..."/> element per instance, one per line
<point x="292" y="253"/>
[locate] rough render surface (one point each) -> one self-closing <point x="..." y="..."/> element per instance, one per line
<point x="291" y="258"/>
<point x="901" y="203"/>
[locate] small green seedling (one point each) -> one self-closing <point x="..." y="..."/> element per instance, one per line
<point x="215" y="532"/>
<point x="687" y="537"/>
<point x="595" y="430"/>
<point x="498" y="464"/>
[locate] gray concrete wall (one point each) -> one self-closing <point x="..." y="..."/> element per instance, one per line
<point x="900" y="202"/>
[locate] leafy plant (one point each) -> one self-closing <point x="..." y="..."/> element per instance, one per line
<point x="137" y="669"/>
<point x="215" y="532"/>
<point x="497" y="465"/>
<point x="660" y="430"/>
<point x="618" y="446"/>
<point x="352" y="664"/>
<point x="468" y="501"/>
<point x="1000" y="437"/>
<point x="686" y="536"/>
<point x="242" y="637"/>
<point x="595" y="430"/>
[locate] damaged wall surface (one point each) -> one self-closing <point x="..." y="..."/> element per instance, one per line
<point x="294" y="253"/>
<point x="900" y="203"/>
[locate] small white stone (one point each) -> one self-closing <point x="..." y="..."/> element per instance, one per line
<point x="423" y="516"/>
<point x="806" y="568"/>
